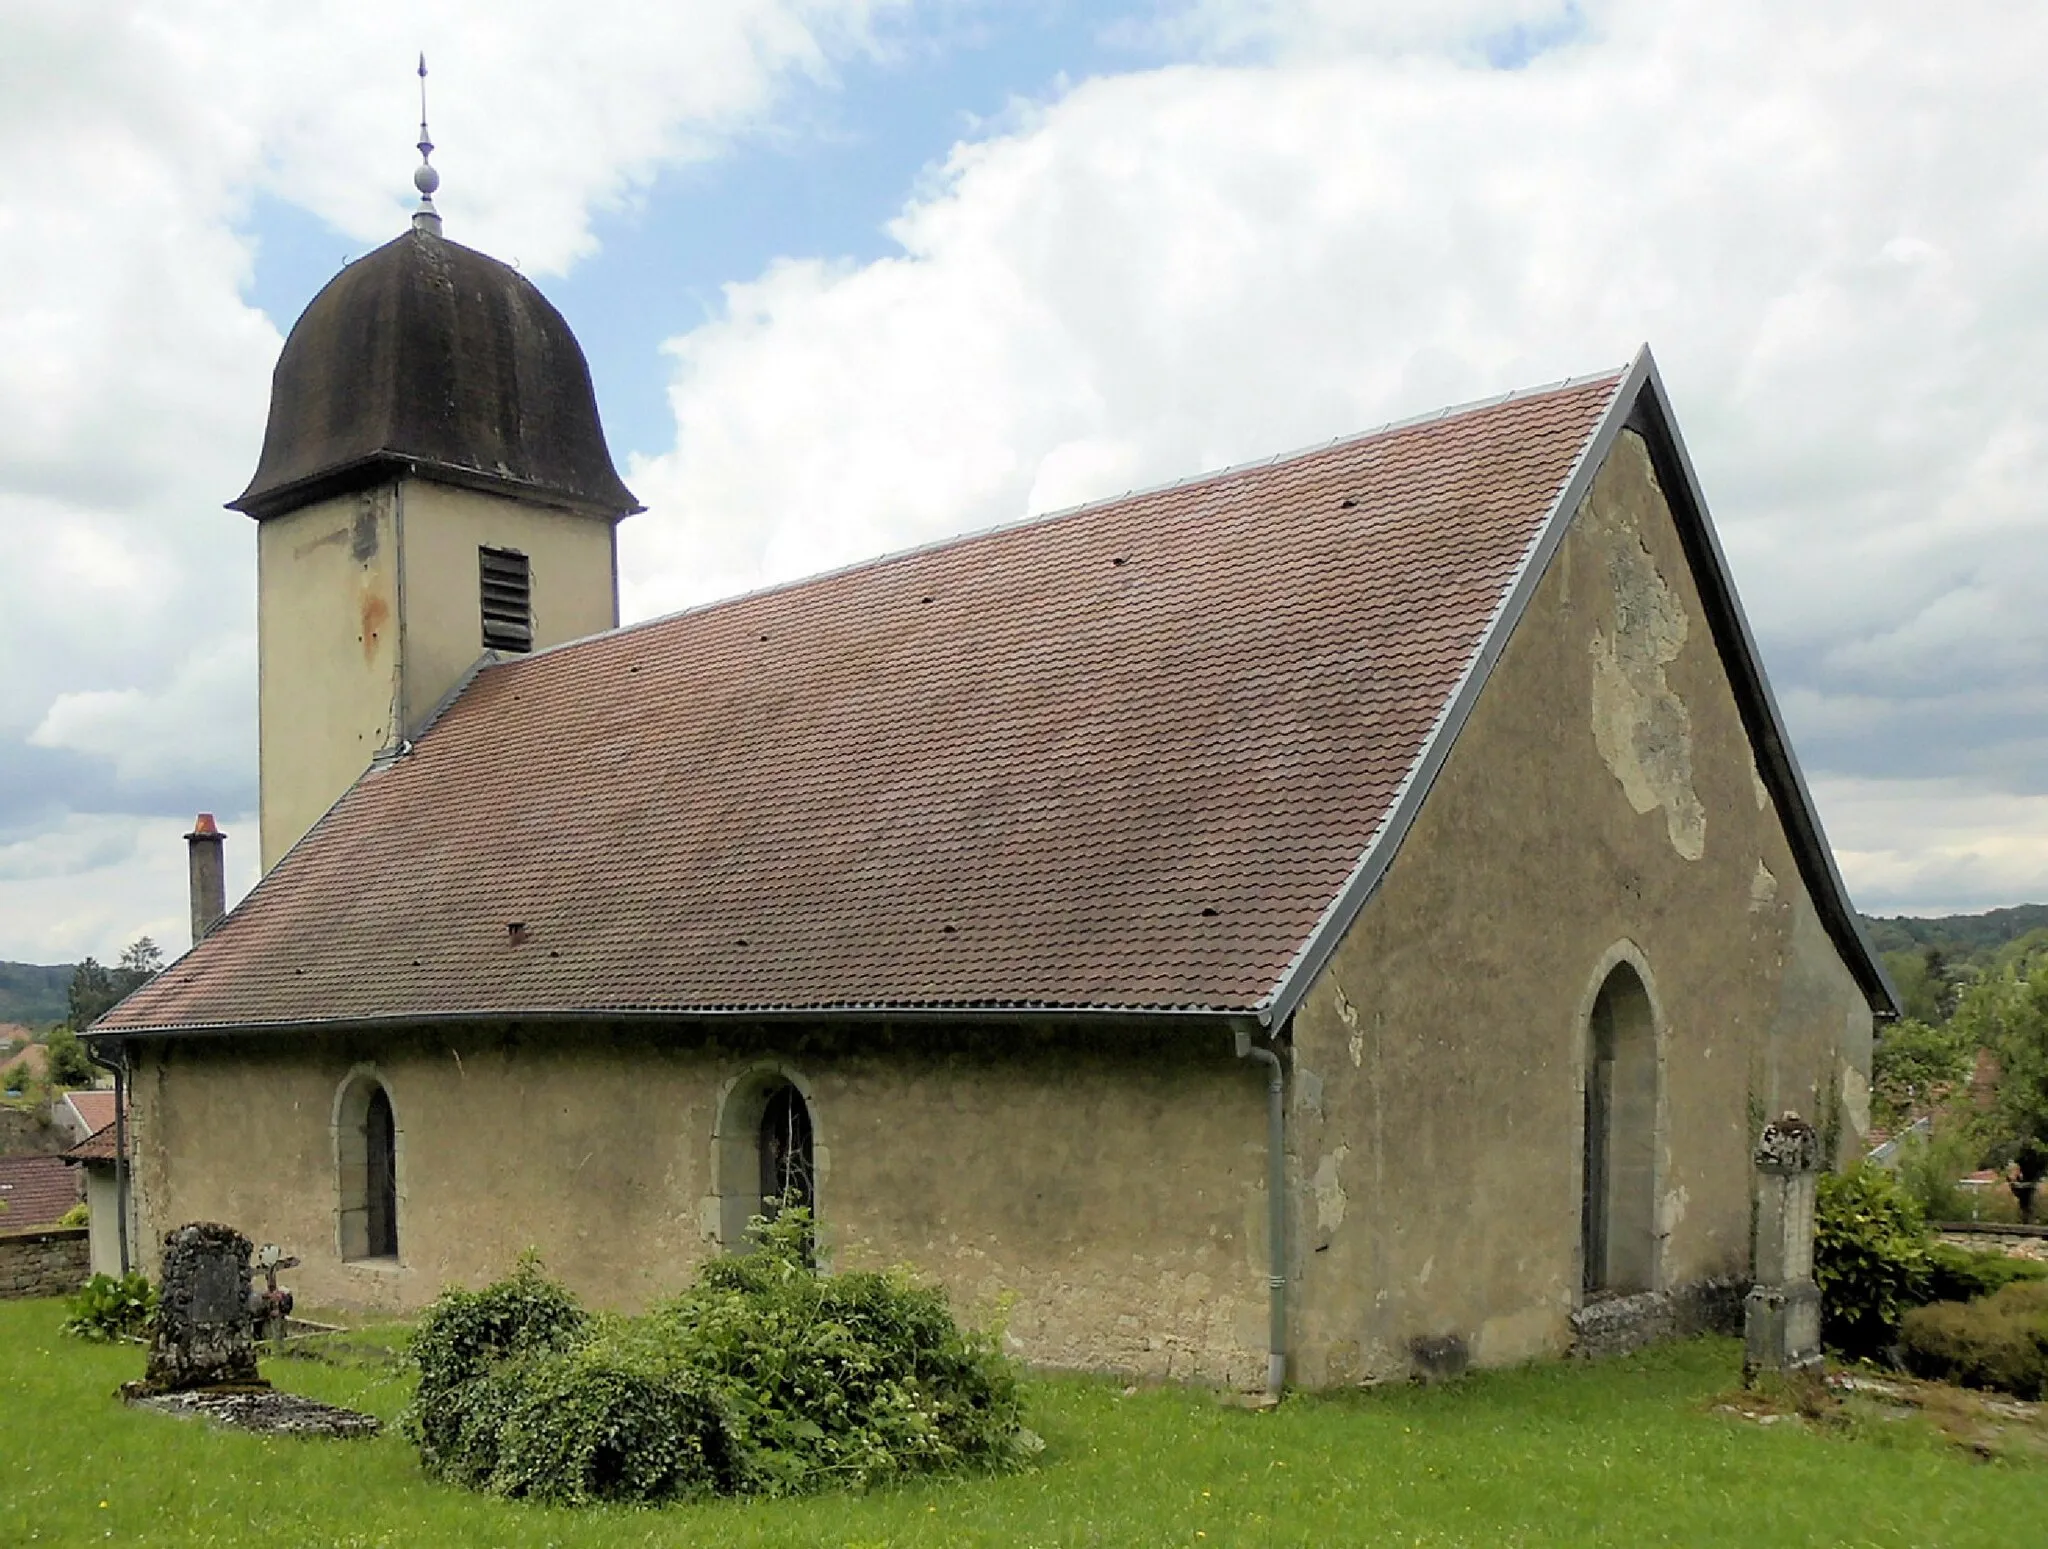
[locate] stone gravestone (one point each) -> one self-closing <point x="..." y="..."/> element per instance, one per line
<point x="204" y="1334"/>
<point x="1781" y="1316"/>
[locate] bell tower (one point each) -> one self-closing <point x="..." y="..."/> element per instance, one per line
<point x="434" y="486"/>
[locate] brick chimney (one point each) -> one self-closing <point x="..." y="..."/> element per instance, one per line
<point x="209" y="875"/>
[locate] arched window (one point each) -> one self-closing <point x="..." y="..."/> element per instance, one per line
<point x="1618" y="1211"/>
<point x="766" y="1156"/>
<point x="366" y="1155"/>
<point x="787" y="1171"/>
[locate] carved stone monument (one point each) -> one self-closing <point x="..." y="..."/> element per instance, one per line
<point x="1781" y="1316"/>
<point x="205" y="1336"/>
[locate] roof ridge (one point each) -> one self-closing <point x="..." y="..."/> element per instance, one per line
<point x="1063" y="513"/>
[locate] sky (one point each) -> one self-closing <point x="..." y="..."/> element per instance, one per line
<point x="858" y="274"/>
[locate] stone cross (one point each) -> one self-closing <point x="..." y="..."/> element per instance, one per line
<point x="1781" y="1315"/>
<point x="204" y="1334"/>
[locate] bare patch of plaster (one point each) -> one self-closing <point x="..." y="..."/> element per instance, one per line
<point x="1757" y="786"/>
<point x="1348" y="1015"/>
<point x="1329" y="1189"/>
<point x="1673" y="1211"/>
<point x="1640" y="725"/>
<point x="1763" y="888"/>
<point x="1855" y="1100"/>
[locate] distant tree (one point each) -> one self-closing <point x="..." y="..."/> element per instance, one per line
<point x="97" y="989"/>
<point x="69" y="1065"/>
<point x="2006" y="1011"/>
<point x="1914" y="1067"/>
<point x="92" y="994"/>
<point x="142" y="962"/>
<point x="1927" y="990"/>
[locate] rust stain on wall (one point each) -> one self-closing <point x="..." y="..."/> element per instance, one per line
<point x="376" y="614"/>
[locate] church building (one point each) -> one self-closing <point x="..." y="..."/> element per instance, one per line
<point x="1344" y="914"/>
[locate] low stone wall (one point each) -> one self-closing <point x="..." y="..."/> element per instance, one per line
<point x="1618" y="1325"/>
<point x="47" y="1263"/>
<point x="2009" y="1238"/>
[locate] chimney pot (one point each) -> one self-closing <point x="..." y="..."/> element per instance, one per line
<point x="208" y="873"/>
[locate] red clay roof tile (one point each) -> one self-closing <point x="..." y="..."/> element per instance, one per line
<point x="1123" y="757"/>
<point x="36" y="1191"/>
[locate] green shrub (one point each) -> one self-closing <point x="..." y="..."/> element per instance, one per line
<point x="79" y="1214"/>
<point x="1869" y="1258"/>
<point x="1930" y="1170"/>
<point x="1964" y="1274"/>
<point x="461" y="1345"/>
<point x="109" y="1308"/>
<point x="2000" y="1341"/>
<point x="765" y="1377"/>
<point x="614" y="1420"/>
<point x="839" y="1379"/>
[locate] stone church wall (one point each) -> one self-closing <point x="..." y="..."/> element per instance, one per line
<point x="1110" y="1195"/>
<point x="1601" y="807"/>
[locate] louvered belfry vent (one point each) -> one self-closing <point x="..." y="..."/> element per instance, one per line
<point x="508" y="600"/>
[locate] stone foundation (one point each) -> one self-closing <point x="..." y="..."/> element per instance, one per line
<point x="54" y="1262"/>
<point x="1619" y="1325"/>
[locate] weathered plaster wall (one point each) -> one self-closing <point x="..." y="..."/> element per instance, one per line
<point x="1601" y="805"/>
<point x="1116" y="1198"/>
<point x="327" y="651"/>
<point x="368" y="613"/>
<point x="102" y="1200"/>
<point x="575" y="592"/>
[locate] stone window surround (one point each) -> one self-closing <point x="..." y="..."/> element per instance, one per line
<point x="1622" y="952"/>
<point x="735" y="1154"/>
<point x="351" y="1176"/>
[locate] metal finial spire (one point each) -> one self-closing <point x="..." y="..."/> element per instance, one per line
<point x="424" y="177"/>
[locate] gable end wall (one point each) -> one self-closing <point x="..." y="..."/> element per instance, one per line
<point x="1601" y="804"/>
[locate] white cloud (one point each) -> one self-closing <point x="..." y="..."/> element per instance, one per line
<point x="1829" y="221"/>
<point x="1931" y="846"/>
<point x="134" y="140"/>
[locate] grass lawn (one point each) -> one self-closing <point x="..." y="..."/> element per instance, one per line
<point x="1628" y="1453"/>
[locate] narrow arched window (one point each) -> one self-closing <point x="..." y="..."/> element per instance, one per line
<point x="787" y="1169"/>
<point x="1618" y="1210"/>
<point x="366" y="1156"/>
<point x="380" y="1184"/>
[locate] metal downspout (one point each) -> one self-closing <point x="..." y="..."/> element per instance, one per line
<point x="1276" y="1209"/>
<point x="120" y="1072"/>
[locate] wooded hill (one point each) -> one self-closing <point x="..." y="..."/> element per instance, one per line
<point x="34" y="994"/>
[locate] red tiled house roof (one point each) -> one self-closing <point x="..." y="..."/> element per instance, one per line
<point x="99" y="1146"/>
<point x="95" y="1109"/>
<point x="36" y="1191"/>
<point x="1130" y="758"/>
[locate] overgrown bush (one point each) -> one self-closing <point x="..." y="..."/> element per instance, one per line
<point x="615" y="1419"/>
<point x="463" y="1347"/>
<point x="765" y="1377"/>
<point x="110" y="1307"/>
<point x="838" y="1379"/>
<point x="1931" y="1169"/>
<point x="1999" y="1342"/>
<point x="1964" y="1274"/>
<point x="1870" y="1259"/>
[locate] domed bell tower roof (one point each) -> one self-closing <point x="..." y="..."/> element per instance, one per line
<point x="430" y="358"/>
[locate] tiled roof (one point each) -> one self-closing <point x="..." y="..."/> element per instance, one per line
<point x="36" y="1191"/>
<point x="1125" y="757"/>
<point x="95" y="1109"/>
<point x="97" y="1147"/>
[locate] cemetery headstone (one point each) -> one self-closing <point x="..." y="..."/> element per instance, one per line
<point x="205" y="1336"/>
